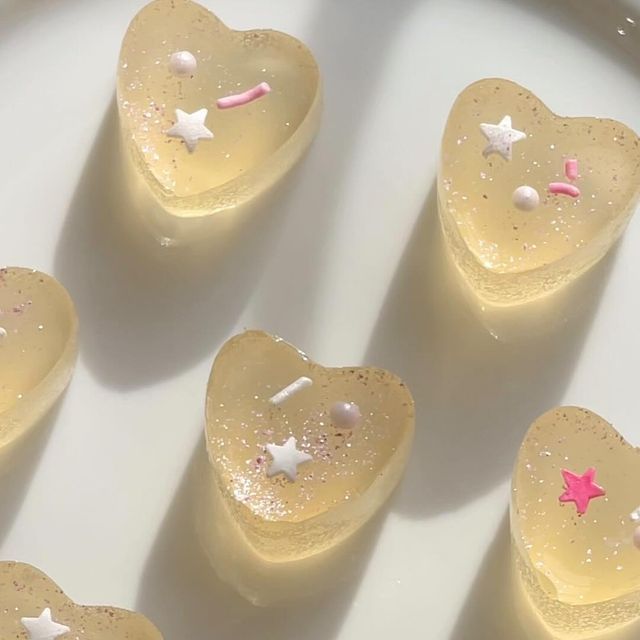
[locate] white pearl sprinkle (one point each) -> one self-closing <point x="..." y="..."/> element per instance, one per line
<point x="183" y="63"/>
<point x="526" y="198"/>
<point x="345" y="415"/>
<point x="3" y="332"/>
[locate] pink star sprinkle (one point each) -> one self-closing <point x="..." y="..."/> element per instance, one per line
<point x="580" y="489"/>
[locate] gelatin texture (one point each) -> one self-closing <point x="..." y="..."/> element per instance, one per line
<point x="26" y="592"/>
<point x="352" y="470"/>
<point x="510" y="255"/>
<point x="581" y="572"/>
<point x="252" y="145"/>
<point x="38" y="326"/>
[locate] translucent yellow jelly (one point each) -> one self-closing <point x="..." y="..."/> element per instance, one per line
<point x="352" y="471"/>
<point x="508" y="255"/>
<point x="253" y="145"/>
<point x="25" y="592"/>
<point x="38" y="327"/>
<point x="581" y="572"/>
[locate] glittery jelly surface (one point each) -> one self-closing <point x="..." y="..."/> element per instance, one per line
<point x="253" y="145"/>
<point x="38" y="326"/>
<point x="352" y="471"/>
<point x="582" y="571"/>
<point x="25" y="592"/>
<point x="509" y="255"/>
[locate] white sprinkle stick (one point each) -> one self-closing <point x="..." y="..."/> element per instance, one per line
<point x="297" y="385"/>
<point x="240" y="99"/>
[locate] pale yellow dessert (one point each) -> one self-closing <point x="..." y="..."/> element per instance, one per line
<point x="577" y="559"/>
<point x="32" y="607"/>
<point x="178" y="55"/>
<point x="257" y="578"/>
<point x="38" y="327"/>
<point x="300" y="474"/>
<point x="510" y="253"/>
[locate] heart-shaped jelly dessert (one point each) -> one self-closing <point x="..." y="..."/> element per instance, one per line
<point x="302" y="455"/>
<point x="38" y="327"/>
<point x="574" y="523"/>
<point x="35" y="608"/>
<point x="210" y="116"/>
<point x="529" y="200"/>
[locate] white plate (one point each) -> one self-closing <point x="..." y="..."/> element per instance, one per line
<point x="348" y="265"/>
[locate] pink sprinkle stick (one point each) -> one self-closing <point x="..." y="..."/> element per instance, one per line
<point x="239" y="99"/>
<point x="565" y="189"/>
<point x="571" y="168"/>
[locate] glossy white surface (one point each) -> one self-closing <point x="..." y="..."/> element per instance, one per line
<point x="347" y="264"/>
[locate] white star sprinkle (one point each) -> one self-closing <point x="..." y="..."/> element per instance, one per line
<point x="286" y="459"/>
<point x="43" y="627"/>
<point x="501" y="137"/>
<point x="190" y="127"/>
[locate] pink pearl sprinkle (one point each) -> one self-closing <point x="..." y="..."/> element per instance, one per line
<point x="571" y="168"/>
<point x="564" y="189"/>
<point x="240" y="99"/>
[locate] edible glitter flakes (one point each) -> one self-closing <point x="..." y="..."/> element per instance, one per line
<point x="337" y="464"/>
<point x="177" y="55"/>
<point x="250" y="424"/>
<point x="35" y="608"/>
<point x="586" y="555"/>
<point x="508" y="257"/>
<point x="38" y="345"/>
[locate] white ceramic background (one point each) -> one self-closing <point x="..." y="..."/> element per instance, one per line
<point x="347" y="264"/>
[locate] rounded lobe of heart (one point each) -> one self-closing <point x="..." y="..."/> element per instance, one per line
<point x="252" y="145"/>
<point x="508" y="255"/>
<point x="25" y="592"/>
<point x="37" y="348"/>
<point x="351" y="472"/>
<point x="582" y="565"/>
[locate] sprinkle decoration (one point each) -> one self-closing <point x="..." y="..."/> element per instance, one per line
<point x="636" y="538"/>
<point x="43" y="627"/>
<point x="190" y="127"/>
<point x="564" y="189"/>
<point x="581" y="489"/>
<point x="571" y="169"/>
<point x="526" y="198"/>
<point x="297" y="385"/>
<point x="286" y="459"/>
<point x="183" y="63"/>
<point x="501" y="137"/>
<point x="345" y="415"/>
<point x="240" y="99"/>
